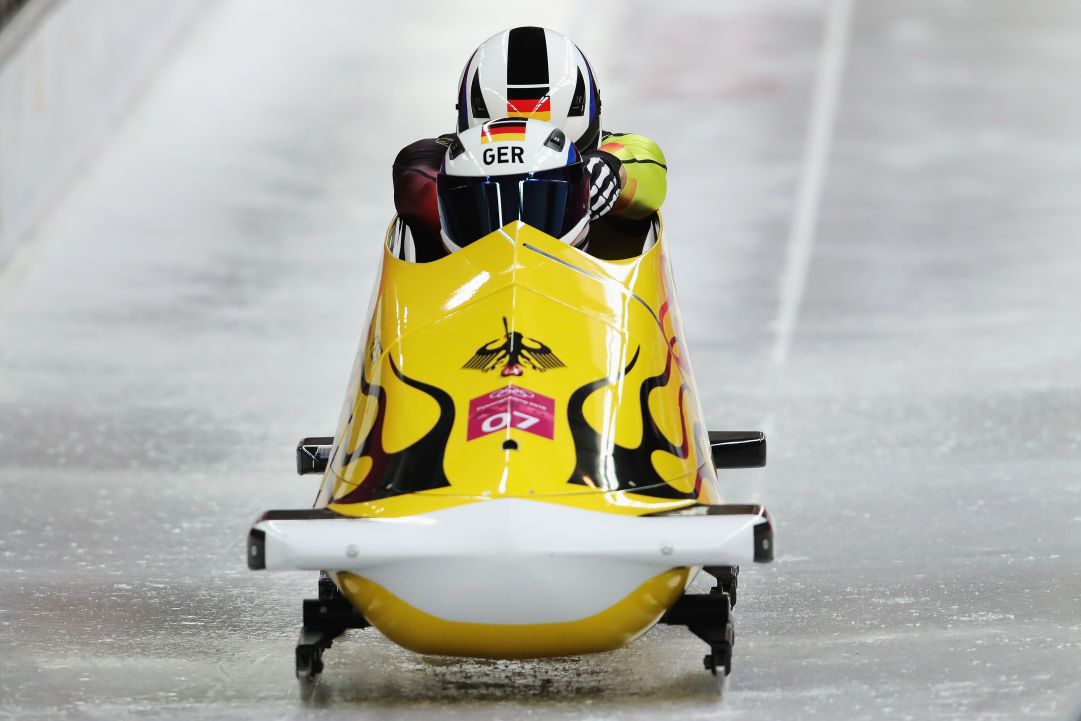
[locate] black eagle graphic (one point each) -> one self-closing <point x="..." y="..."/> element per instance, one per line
<point x="513" y="351"/>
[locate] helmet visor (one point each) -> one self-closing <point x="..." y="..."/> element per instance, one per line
<point x="552" y="201"/>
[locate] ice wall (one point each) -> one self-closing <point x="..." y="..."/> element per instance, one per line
<point x="67" y="69"/>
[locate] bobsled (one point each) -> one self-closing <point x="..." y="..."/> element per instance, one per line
<point x="521" y="468"/>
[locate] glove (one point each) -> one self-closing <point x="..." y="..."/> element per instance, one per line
<point x="604" y="182"/>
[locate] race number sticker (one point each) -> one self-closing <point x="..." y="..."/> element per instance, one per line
<point x="512" y="407"/>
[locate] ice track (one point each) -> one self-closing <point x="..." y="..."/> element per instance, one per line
<point x="875" y="213"/>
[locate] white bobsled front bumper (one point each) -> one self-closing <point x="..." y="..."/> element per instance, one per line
<point x="508" y="560"/>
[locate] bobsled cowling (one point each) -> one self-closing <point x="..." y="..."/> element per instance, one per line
<point x="521" y="418"/>
<point x="521" y="367"/>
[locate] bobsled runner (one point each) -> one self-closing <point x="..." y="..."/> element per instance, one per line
<point x="520" y="468"/>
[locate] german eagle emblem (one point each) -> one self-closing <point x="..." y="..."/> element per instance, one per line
<point x="515" y="352"/>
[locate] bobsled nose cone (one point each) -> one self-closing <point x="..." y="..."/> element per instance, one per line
<point x="510" y="531"/>
<point x="540" y="576"/>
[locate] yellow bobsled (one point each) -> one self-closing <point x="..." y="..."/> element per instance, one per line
<point x="521" y="467"/>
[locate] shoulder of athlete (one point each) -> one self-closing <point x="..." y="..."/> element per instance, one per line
<point x="424" y="155"/>
<point x="643" y="173"/>
<point x="632" y="148"/>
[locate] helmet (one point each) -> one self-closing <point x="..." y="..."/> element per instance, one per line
<point x="531" y="72"/>
<point x="512" y="170"/>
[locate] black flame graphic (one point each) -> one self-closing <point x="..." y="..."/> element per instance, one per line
<point x="612" y="467"/>
<point x="418" y="467"/>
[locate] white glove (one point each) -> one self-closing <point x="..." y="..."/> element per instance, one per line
<point x="604" y="187"/>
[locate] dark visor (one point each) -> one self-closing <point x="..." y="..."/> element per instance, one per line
<point x="552" y="201"/>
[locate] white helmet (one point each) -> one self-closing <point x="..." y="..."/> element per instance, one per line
<point x="531" y="72"/>
<point x="512" y="170"/>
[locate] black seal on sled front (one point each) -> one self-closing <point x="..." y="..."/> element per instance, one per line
<point x="256" y="550"/>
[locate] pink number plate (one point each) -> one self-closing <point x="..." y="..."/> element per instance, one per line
<point x="512" y="407"/>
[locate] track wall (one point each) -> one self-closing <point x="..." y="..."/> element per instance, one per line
<point x="67" y="70"/>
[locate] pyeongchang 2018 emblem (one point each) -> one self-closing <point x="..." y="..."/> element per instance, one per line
<point x="515" y="352"/>
<point x="512" y="407"/>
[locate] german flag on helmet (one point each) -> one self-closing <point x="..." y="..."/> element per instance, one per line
<point x="500" y="131"/>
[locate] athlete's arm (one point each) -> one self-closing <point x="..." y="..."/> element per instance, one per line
<point x="415" y="199"/>
<point x="643" y="174"/>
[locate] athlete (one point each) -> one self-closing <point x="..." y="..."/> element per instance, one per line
<point x="513" y="169"/>
<point x="531" y="72"/>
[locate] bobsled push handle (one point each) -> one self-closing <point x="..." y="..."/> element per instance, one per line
<point x="738" y="449"/>
<point x="313" y="454"/>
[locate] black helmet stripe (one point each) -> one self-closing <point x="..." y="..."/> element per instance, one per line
<point x="463" y="110"/>
<point x="476" y="98"/>
<point x="527" y="57"/>
<point x="591" y="137"/>
<point x="533" y="92"/>
<point x="578" y="102"/>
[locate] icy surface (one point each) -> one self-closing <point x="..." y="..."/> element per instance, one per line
<point x="191" y="307"/>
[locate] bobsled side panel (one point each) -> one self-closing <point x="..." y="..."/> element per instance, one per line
<point x="607" y="630"/>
